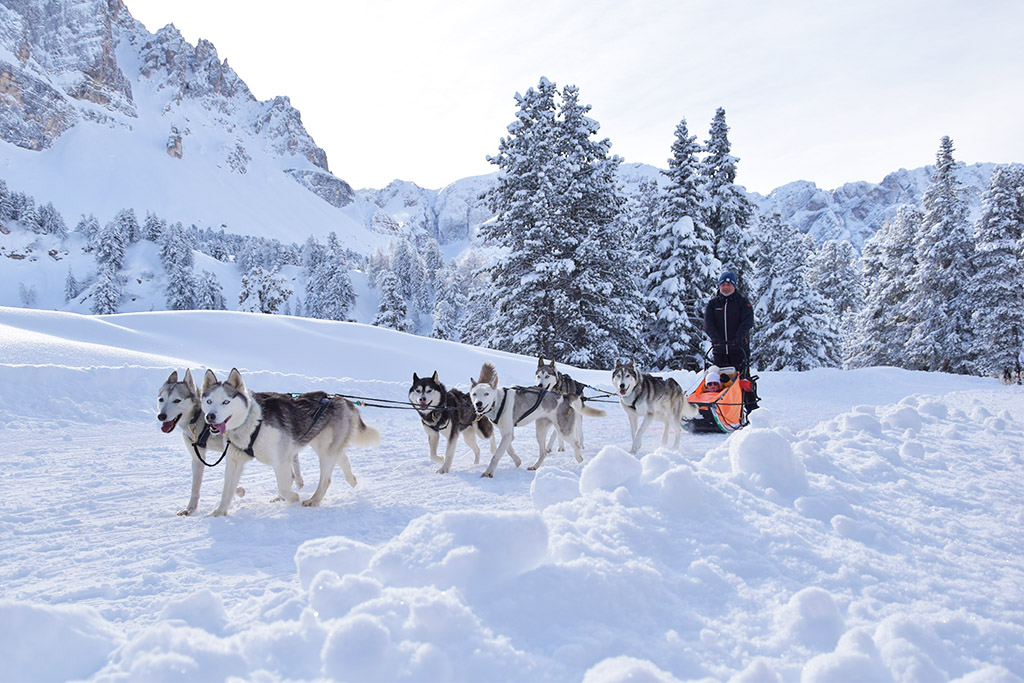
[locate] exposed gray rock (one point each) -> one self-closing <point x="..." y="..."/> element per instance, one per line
<point x="32" y="113"/>
<point x="332" y="190"/>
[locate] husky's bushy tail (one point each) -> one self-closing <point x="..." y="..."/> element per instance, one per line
<point x="364" y="435"/>
<point x="583" y="409"/>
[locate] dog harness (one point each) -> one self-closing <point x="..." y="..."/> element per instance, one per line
<point x="200" y="439"/>
<point x="320" y="409"/>
<point x="540" y="397"/>
<point x="440" y="423"/>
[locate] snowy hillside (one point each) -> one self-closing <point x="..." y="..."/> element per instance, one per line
<point x="866" y="527"/>
<point x="100" y="115"/>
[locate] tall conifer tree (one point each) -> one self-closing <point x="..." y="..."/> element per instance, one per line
<point x="941" y="299"/>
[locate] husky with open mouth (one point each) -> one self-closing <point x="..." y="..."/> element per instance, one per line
<point x="273" y="428"/>
<point x="652" y="398"/>
<point x="509" y="407"/>
<point x="448" y="412"/>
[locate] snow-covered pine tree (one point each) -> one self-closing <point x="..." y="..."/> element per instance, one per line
<point x="834" y="272"/>
<point x="129" y="225"/>
<point x="391" y="312"/>
<point x="153" y="227"/>
<point x="329" y="293"/>
<point x="601" y="307"/>
<point x="941" y="299"/>
<point x="378" y="261"/>
<point x="727" y="210"/>
<point x="640" y="214"/>
<point x="682" y="266"/>
<point x="178" y="262"/>
<point x="888" y="263"/>
<point x="263" y="291"/>
<point x="27" y="295"/>
<point x="528" y="231"/>
<point x="70" y="286"/>
<point x="795" y="326"/>
<point x="51" y="222"/>
<point x="89" y="227"/>
<point x="209" y="293"/>
<point x="450" y="304"/>
<point x="106" y="293"/>
<point x="6" y="203"/>
<point x="475" y="287"/>
<point x="29" y="213"/>
<point x="433" y="260"/>
<point x="111" y="243"/>
<point x="998" y="320"/>
<point x="411" y="271"/>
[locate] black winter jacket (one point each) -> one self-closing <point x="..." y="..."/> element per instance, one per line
<point x="729" y="319"/>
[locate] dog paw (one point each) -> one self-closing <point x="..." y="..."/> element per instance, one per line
<point x="489" y="475"/>
<point x="218" y="513"/>
<point x="240" y="492"/>
<point x="310" y="503"/>
<point x="579" y="458"/>
<point x="277" y="499"/>
<point x="443" y="470"/>
<point x="351" y="482"/>
<point x="533" y="468"/>
<point x="186" y="512"/>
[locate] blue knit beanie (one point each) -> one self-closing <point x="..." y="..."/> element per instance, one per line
<point x="727" y="276"/>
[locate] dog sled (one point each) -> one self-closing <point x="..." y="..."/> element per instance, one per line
<point x="723" y="409"/>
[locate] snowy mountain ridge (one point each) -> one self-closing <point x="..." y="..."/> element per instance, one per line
<point x="117" y="117"/>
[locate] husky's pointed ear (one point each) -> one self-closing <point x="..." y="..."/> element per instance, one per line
<point x="433" y="378"/>
<point x="235" y="380"/>
<point x="172" y="378"/>
<point x="415" y="378"/>
<point x="494" y="381"/>
<point x="209" y="380"/>
<point x="472" y="382"/>
<point x="540" y="361"/>
<point x="189" y="382"/>
<point x="629" y="363"/>
<point x="552" y="363"/>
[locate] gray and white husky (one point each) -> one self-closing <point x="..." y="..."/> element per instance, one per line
<point x="273" y="428"/>
<point x="178" y="406"/>
<point x="509" y="407"/>
<point x="651" y="398"/>
<point x="448" y="412"/>
<point x="548" y="377"/>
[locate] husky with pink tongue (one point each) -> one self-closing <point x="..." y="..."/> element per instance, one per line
<point x="273" y="428"/>
<point x="178" y="406"/>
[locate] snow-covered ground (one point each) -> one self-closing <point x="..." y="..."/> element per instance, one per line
<point x="866" y="527"/>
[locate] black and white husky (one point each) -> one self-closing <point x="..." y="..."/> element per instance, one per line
<point x="548" y="377"/>
<point x="273" y="428"/>
<point x="448" y="412"/>
<point x="509" y="407"/>
<point x="652" y="398"/>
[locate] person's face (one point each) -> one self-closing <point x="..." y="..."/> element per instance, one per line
<point x="726" y="288"/>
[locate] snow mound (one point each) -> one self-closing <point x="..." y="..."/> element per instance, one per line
<point x="766" y="458"/>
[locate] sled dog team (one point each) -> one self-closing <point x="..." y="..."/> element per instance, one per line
<point x="223" y="420"/>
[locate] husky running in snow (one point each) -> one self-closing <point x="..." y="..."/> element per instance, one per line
<point x="448" y="412"/>
<point x="548" y="377"/>
<point x="652" y="398"/>
<point x="176" y="400"/>
<point x="508" y="407"/>
<point x="273" y="428"/>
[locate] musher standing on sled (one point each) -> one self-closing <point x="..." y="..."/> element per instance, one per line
<point x="728" y="319"/>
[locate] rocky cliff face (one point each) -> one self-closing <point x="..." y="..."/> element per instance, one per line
<point x="855" y="211"/>
<point x="67" y="61"/>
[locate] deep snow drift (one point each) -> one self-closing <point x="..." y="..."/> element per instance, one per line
<point x="865" y="527"/>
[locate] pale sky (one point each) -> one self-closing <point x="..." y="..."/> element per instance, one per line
<point x="827" y="91"/>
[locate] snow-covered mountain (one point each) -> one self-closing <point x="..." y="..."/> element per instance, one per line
<point x="855" y="211"/>
<point x="99" y="115"/>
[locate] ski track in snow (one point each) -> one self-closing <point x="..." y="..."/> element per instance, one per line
<point x="865" y="527"/>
